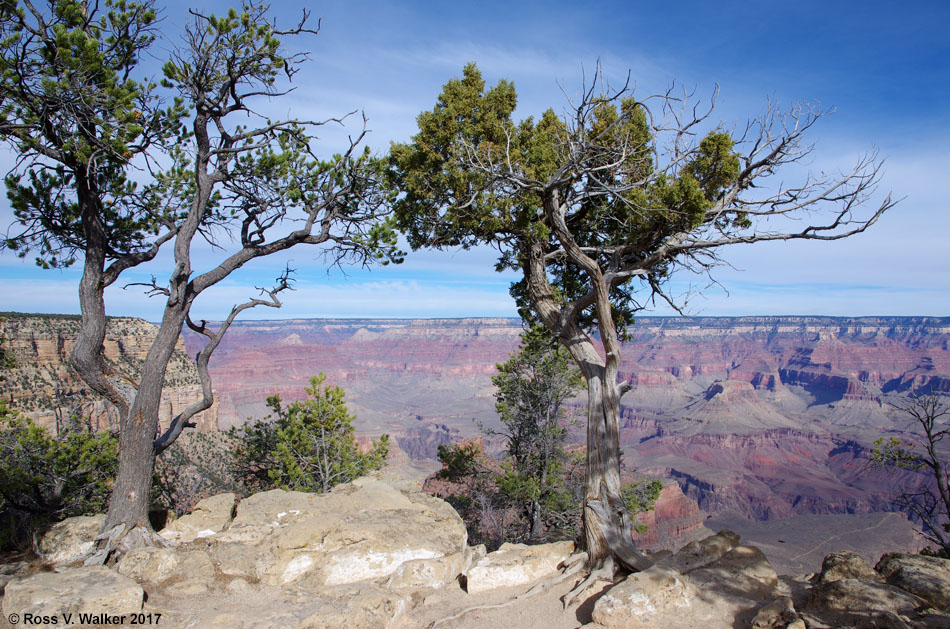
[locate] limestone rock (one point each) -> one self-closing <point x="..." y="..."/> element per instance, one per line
<point x="92" y="590"/>
<point x="927" y="577"/>
<point x="149" y="564"/>
<point x="10" y="571"/>
<point x="845" y="595"/>
<point x="743" y="571"/>
<point x="516" y="564"/>
<point x="662" y="598"/>
<point x="701" y="553"/>
<point x="361" y="530"/>
<point x="210" y="516"/>
<point x="70" y="540"/>
<point x="428" y="573"/>
<point x="240" y="560"/>
<point x="779" y="614"/>
<point x="365" y="608"/>
<point x="643" y="597"/>
<point x="845" y="565"/>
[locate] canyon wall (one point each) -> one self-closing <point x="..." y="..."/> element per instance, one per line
<point x="43" y="385"/>
<point x="767" y="417"/>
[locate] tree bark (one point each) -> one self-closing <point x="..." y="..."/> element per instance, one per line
<point x="129" y="504"/>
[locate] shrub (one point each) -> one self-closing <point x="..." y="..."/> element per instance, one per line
<point x="308" y="445"/>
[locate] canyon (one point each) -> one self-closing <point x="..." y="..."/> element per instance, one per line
<point x="769" y="420"/>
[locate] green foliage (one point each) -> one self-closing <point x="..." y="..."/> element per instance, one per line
<point x="640" y="496"/>
<point x="474" y="175"/>
<point x="534" y="491"/>
<point x="532" y="386"/>
<point x="926" y="496"/>
<point x="72" y="110"/>
<point x="307" y="446"/>
<point x="894" y="452"/>
<point x="44" y="478"/>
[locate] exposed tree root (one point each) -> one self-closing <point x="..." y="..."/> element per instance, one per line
<point x="604" y="571"/>
<point x="113" y="544"/>
<point x="572" y="565"/>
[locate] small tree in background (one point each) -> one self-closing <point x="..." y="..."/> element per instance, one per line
<point x="929" y="502"/>
<point x="307" y="446"/>
<point x="532" y="386"/>
<point x="539" y="480"/>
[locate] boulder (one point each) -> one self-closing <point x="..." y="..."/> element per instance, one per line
<point x="847" y="595"/>
<point x="157" y="565"/>
<point x="71" y="539"/>
<point x="846" y="564"/>
<point x="927" y="577"/>
<point x="643" y="598"/>
<point x="149" y="564"/>
<point x="428" y="573"/>
<point x="92" y="590"/>
<point x="365" y="608"/>
<point x="359" y="531"/>
<point x="743" y="571"/>
<point x="240" y="560"/>
<point x="516" y="564"/>
<point x="209" y="517"/>
<point x="779" y="614"/>
<point x="701" y="553"/>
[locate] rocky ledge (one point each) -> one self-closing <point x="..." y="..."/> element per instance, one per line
<point x="382" y="553"/>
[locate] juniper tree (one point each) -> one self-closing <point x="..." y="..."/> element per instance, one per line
<point x="114" y="166"/>
<point x="532" y="387"/>
<point x="598" y="209"/>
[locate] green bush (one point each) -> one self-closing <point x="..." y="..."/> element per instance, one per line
<point x="44" y="478"/>
<point x="307" y="446"/>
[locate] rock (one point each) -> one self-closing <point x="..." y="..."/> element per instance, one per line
<point x="210" y="516"/>
<point x="149" y="564"/>
<point x="662" y="598"/>
<point x="927" y="577"/>
<point x="845" y="565"/>
<point x="191" y="587"/>
<point x="71" y="539"/>
<point x="10" y="571"/>
<point x="846" y="595"/>
<point x="359" y="531"/>
<point x="240" y="560"/>
<point x="239" y="586"/>
<point x="743" y="571"/>
<point x="93" y="590"/>
<point x="428" y="573"/>
<point x="643" y="597"/>
<point x="702" y="553"/>
<point x="779" y="614"/>
<point x="365" y="608"/>
<point x="516" y="564"/>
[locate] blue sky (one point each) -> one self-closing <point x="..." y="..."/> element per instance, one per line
<point x="884" y="66"/>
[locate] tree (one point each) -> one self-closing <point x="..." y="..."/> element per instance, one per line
<point x="307" y="446"/>
<point x="74" y="105"/>
<point x="929" y="502"/>
<point x="532" y="386"/>
<point x="44" y="478"/>
<point x="598" y="210"/>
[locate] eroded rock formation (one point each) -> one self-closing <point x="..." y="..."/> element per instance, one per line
<point x="44" y="386"/>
